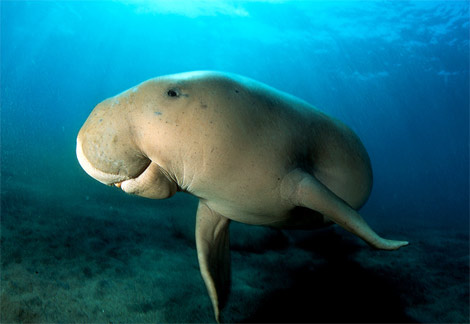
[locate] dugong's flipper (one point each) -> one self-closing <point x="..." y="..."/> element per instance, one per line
<point x="304" y="190"/>
<point x="213" y="252"/>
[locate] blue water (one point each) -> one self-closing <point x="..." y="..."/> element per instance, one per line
<point x="395" y="72"/>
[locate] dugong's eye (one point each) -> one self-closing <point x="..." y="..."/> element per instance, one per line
<point x="172" y="93"/>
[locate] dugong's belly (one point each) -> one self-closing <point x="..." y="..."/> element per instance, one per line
<point x="250" y="196"/>
<point x="268" y="209"/>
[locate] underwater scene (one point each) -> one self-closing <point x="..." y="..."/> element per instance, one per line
<point x="74" y="250"/>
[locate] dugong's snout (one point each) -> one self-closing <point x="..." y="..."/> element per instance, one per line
<point x="105" y="147"/>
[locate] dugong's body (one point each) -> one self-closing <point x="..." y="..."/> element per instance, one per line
<point x="250" y="153"/>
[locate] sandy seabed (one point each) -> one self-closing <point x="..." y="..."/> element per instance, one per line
<point x="69" y="258"/>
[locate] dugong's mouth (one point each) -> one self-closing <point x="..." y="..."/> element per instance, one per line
<point x="120" y="183"/>
<point x="110" y="179"/>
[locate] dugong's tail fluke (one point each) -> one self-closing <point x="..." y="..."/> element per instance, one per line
<point x="304" y="190"/>
<point x="213" y="252"/>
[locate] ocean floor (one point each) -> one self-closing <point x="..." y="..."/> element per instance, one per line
<point x="74" y="257"/>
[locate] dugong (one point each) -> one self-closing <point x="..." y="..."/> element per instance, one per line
<point x="249" y="152"/>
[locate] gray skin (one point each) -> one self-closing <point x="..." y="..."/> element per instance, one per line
<point x="250" y="153"/>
